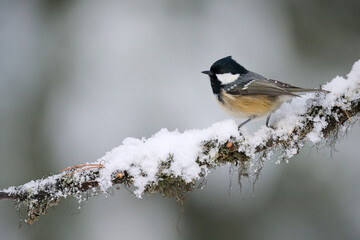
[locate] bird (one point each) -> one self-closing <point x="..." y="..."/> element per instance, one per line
<point x="248" y="95"/>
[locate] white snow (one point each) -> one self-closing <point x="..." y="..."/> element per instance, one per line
<point x="35" y="186"/>
<point x="142" y="157"/>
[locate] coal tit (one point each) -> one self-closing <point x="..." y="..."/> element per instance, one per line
<point x="248" y="95"/>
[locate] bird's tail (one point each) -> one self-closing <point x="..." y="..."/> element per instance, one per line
<point x="304" y="90"/>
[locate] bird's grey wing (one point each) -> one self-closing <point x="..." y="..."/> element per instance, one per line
<point x="257" y="87"/>
<point x="282" y="84"/>
<point x="293" y="89"/>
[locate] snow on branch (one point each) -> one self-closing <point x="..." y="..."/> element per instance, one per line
<point x="173" y="163"/>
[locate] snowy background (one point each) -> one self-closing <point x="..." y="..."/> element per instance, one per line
<point x="77" y="77"/>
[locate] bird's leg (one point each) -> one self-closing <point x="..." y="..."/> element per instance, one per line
<point x="243" y="123"/>
<point x="267" y="120"/>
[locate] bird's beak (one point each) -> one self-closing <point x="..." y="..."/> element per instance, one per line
<point x="207" y="72"/>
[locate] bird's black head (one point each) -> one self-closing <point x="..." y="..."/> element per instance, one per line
<point x="224" y="71"/>
<point x="227" y="65"/>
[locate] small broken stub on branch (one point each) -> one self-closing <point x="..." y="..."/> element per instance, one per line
<point x="121" y="177"/>
<point x="229" y="145"/>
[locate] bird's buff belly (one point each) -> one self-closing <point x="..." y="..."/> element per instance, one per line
<point x="248" y="106"/>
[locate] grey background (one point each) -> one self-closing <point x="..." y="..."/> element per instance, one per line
<point x="77" y="77"/>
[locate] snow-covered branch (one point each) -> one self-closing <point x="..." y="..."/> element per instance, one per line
<point x="173" y="163"/>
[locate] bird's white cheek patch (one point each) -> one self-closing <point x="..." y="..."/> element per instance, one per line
<point x="226" y="78"/>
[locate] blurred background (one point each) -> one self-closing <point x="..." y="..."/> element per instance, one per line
<point x="77" y="77"/>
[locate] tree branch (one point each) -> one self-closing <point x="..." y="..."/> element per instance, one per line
<point x="173" y="163"/>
